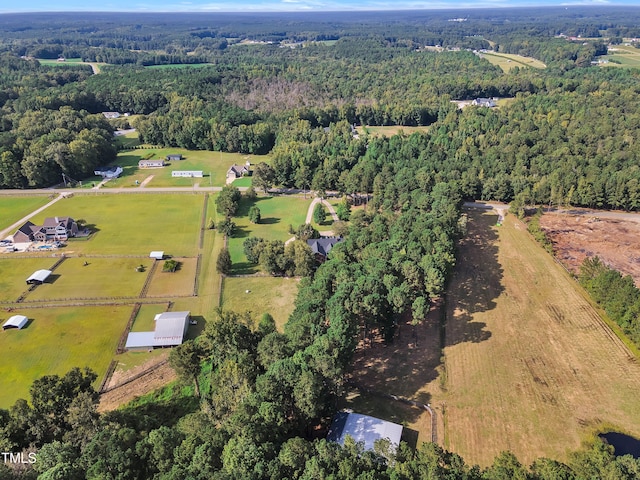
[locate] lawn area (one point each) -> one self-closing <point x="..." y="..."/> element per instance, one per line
<point x="507" y="61"/>
<point x="622" y="56"/>
<point x="274" y="295"/>
<point x="14" y="273"/>
<point x="390" y="130"/>
<point x="214" y="166"/>
<point x="128" y="140"/>
<point x="56" y="340"/>
<point x="133" y="224"/>
<point x="530" y="365"/>
<point x="178" y="283"/>
<point x="144" y="321"/>
<point x="277" y="214"/>
<point x="13" y="209"/>
<point x="101" y="278"/>
<point x="180" y="65"/>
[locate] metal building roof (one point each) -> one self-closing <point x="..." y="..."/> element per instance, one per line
<point x="363" y="428"/>
<point x="17" y="321"/>
<point x="39" y="276"/>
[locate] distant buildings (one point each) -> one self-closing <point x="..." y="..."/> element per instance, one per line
<point x="112" y="171"/>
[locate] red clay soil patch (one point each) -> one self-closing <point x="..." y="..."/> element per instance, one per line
<point x="576" y="237"/>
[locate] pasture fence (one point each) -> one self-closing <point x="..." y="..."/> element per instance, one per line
<point x="125" y="333"/>
<point x="108" y="375"/>
<point x="137" y="376"/>
<point x="203" y="220"/>
<point x="62" y="258"/>
<point x="197" y="276"/>
<point x="147" y="281"/>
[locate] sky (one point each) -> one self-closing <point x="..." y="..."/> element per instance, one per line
<point x="7" y="6"/>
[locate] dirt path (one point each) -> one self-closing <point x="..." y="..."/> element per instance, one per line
<point x="19" y="223"/>
<point x="146" y="181"/>
<point x="125" y="386"/>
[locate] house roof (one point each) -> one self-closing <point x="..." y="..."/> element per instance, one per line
<point x="39" y="275"/>
<point x="172" y="156"/>
<point x="27" y="228"/>
<point x="237" y="169"/>
<point x="323" y="245"/>
<point x="54" y="221"/>
<point x="363" y="428"/>
<point x="17" y="321"/>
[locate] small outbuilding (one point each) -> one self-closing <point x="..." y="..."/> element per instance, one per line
<point x="173" y="157"/>
<point x="38" y="277"/>
<point x="157" y="255"/>
<point x="363" y="428"/>
<point x="187" y="173"/>
<point x="17" y="321"/>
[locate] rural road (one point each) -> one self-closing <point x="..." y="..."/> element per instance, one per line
<point x="14" y="227"/>
<point x="313" y="204"/>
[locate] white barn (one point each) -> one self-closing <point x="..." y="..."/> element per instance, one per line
<point x="187" y="173"/>
<point x="38" y="277"/>
<point x="17" y="321"/>
<point x="171" y="327"/>
<point x="363" y="428"/>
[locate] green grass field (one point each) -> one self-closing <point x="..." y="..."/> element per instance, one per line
<point x="56" y="340"/>
<point x="274" y="295"/>
<point x="277" y="214"/>
<point x="507" y="61"/>
<point x="129" y="140"/>
<point x="214" y="166"/>
<point x="13" y="209"/>
<point x="622" y="56"/>
<point x="180" y="65"/>
<point x="178" y="283"/>
<point x="133" y="224"/>
<point x="101" y="278"/>
<point x="144" y="321"/>
<point x="14" y="273"/>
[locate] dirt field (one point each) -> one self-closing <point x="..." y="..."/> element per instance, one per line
<point x="530" y="366"/>
<point x="575" y="237"/>
<point x="129" y="384"/>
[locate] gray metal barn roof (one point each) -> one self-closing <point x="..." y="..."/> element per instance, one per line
<point x="171" y="327"/>
<point x="363" y="428"/>
<point x="139" y="340"/>
<point x="39" y="276"/>
<point x="17" y="321"/>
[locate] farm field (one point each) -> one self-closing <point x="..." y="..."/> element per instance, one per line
<point x="530" y="366"/>
<point x="145" y="322"/>
<point x="576" y="237"/>
<point x="133" y="224"/>
<point x="389" y="130"/>
<point x="56" y="340"/>
<point x="621" y="56"/>
<point x="14" y="273"/>
<point x="277" y="214"/>
<point x="179" y="283"/>
<point x="101" y="278"/>
<point x="214" y="166"/>
<point x="274" y="295"/>
<point x="13" y="209"/>
<point x="507" y="61"/>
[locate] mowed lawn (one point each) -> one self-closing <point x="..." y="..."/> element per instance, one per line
<point x="14" y="273"/>
<point x="214" y="166"/>
<point x="13" y="209"/>
<point x="390" y="130"/>
<point x="277" y="213"/>
<point x="273" y="295"/>
<point x="100" y="278"/>
<point x="56" y="340"/>
<point x="178" y="283"/>
<point x="530" y="366"/>
<point x="133" y="224"/>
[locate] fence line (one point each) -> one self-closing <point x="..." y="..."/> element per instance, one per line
<point x="197" y="276"/>
<point x="123" y="338"/>
<point x="147" y="281"/>
<point x="137" y="376"/>
<point x="107" y="376"/>
<point x="203" y="220"/>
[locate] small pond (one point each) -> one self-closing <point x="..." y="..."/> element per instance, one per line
<point x="622" y="444"/>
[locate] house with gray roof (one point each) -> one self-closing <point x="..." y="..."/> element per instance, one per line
<point x="322" y="246"/>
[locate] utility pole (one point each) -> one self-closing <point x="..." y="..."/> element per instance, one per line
<point x="64" y="179"/>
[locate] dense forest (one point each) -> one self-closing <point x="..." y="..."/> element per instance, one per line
<point x="258" y="399"/>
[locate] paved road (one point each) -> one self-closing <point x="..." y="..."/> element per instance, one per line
<point x="11" y="229"/>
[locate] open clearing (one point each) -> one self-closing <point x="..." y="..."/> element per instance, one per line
<point x="576" y="237"/>
<point x="133" y="224"/>
<point x="13" y="209"/>
<point x="390" y="130"/>
<point x="100" y="278"/>
<point x="274" y="295"/>
<point x="14" y="273"/>
<point x="214" y="166"/>
<point x="530" y="366"/>
<point x="179" y="283"/>
<point x="621" y="56"/>
<point x="507" y="61"/>
<point x="277" y="213"/>
<point x="56" y="340"/>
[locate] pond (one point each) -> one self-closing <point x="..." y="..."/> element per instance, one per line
<point x="622" y="444"/>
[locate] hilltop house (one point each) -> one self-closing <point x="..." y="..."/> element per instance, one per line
<point x="112" y="171"/>
<point x="485" y="102"/>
